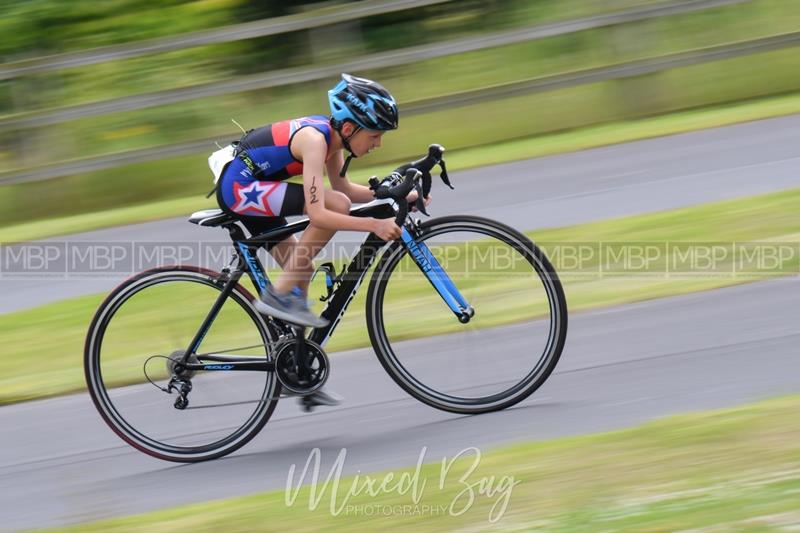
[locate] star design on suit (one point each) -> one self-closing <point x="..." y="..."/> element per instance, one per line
<point x="252" y="199"/>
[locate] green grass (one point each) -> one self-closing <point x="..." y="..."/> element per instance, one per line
<point x="728" y="470"/>
<point x="49" y="339"/>
<point x="518" y="149"/>
<point x="40" y="229"/>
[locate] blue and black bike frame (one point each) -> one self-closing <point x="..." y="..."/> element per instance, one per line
<point x="344" y="290"/>
<point x="433" y="270"/>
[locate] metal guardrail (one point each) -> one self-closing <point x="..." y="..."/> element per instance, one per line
<point x="547" y="83"/>
<point x="612" y="72"/>
<point x="236" y="32"/>
<point x="380" y="60"/>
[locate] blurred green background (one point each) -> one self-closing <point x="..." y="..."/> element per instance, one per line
<point x="35" y="28"/>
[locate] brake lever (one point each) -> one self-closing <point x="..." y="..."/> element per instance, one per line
<point x="420" y="203"/>
<point x="443" y="175"/>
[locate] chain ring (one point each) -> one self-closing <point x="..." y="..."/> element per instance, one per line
<point x="286" y="369"/>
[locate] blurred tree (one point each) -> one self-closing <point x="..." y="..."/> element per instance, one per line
<point x="273" y="52"/>
<point x="248" y="10"/>
<point x="432" y="23"/>
<point x="36" y="27"/>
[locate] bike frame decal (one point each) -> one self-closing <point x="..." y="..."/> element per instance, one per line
<point x="254" y="266"/>
<point x="352" y="278"/>
<point x="435" y="273"/>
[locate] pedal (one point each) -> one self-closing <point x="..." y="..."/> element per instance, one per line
<point x="301" y="381"/>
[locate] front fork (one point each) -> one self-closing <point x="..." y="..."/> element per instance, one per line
<point x="433" y="270"/>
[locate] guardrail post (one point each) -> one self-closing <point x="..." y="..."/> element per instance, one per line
<point x="637" y="95"/>
<point x="333" y="41"/>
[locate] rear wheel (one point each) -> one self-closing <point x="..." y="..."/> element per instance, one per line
<point x="504" y="352"/>
<point x="138" y="334"/>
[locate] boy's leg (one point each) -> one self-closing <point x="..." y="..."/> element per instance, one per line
<point x="296" y="257"/>
<point x="283" y="250"/>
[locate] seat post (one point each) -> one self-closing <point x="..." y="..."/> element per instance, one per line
<point x="235" y="231"/>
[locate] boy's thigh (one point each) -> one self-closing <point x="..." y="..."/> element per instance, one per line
<point x="243" y="196"/>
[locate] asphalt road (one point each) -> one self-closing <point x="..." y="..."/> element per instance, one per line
<point x="613" y="181"/>
<point x="622" y="366"/>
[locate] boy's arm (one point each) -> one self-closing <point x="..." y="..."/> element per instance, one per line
<point x="310" y="147"/>
<point x="358" y="194"/>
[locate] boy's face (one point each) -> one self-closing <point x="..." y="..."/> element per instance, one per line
<point x="364" y="141"/>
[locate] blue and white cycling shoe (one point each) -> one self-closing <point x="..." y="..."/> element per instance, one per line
<point x="291" y="308"/>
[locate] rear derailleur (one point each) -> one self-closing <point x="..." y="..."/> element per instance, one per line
<point x="181" y="378"/>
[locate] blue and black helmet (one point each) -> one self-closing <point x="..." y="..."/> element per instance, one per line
<point x="364" y="102"/>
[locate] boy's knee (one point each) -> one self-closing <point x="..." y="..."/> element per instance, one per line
<point x="339" y="201"/>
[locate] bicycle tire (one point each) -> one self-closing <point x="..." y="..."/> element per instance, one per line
<point x="376" y="324"/>
<point x="100" y="393"/>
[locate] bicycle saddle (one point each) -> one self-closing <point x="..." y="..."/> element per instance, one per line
<point x="211" y="218"/>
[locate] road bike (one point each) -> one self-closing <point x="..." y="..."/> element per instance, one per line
<point x="465" y="314"/>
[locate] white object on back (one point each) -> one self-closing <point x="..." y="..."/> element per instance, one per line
<point x="219" y="160"/>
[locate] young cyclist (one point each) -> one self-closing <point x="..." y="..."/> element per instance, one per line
<point x="252" y="186"/>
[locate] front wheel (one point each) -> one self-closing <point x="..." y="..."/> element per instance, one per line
<point x="485" y="362"/>
<point x="134" y="342"/>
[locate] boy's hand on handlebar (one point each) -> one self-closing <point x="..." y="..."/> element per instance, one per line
<point x="386" y="229"/>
